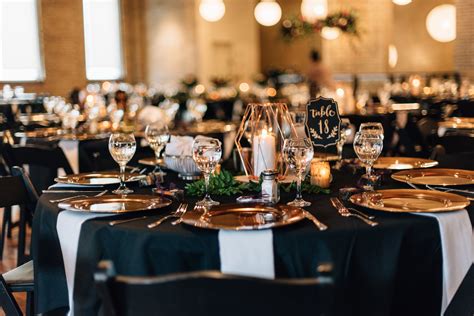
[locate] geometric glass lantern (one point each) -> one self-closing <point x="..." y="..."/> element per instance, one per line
<point x="265" y="126"/>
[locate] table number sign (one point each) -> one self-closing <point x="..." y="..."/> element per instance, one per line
<point x="323" y="122"/>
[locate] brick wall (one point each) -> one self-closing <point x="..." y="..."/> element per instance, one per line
<point x="417" y="50"/>
<point x="62" y="40"/>
<point x="368" y="53"/>
<point x="464" y="44"/>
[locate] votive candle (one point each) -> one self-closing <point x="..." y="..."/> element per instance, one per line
<point x="320" y="173"/>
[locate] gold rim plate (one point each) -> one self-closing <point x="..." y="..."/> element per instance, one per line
<point x="56" y="133"/>
<point x="151" y="162"/>
<point x="116" y="204"/>
<point x="410" y="201"/>
<point x="436" y="176"/>
<point x="244" y="217"/>
<point x="403" y="163"/>
<point x="39" y="133"/>
<point x="98" y="178"/>
<point x="458" y="123"/>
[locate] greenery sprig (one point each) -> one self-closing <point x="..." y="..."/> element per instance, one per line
<point x="222" y="183"/>
<point x="225" y="184"/>
<point x="295" y="26"/>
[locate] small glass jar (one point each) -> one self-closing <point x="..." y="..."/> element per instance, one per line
<point x="270" y="190"/>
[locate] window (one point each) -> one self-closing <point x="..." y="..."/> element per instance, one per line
<point x="102" y="39"/>
<point x="20" y="58"/>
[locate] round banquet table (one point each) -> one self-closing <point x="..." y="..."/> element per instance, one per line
<point x="394" y="268"/>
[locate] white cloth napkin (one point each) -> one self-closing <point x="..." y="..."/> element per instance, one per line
<point x="457" y="242"/>
<point x="179" y="146"/>
<point x="248" y="253"/>
<point x="69" y="228"/>
<point x="73" y="186"/>
<point x="71" y="150"/>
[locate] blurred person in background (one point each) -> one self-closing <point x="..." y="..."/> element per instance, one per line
<point x="318" y="75"/>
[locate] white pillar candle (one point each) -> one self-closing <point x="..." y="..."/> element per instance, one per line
<point x="264" y="152"/>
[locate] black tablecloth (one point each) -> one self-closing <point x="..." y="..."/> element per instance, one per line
<point x="391" y="269"/>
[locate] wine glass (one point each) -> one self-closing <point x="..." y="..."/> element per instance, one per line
<point x="298" y="153"/>
<point x="122" y="147"/>
<point x="368" y="147"/>
<point x="206" y="154"/>
<point x="157" y="135"/>
<point x="346" y="131"/>
<point x="371" y="128"/>
<point x="299" y="122"/>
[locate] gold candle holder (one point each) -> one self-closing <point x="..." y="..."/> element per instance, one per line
<point x="265" y="126"/>
<point x="320" y="173"/>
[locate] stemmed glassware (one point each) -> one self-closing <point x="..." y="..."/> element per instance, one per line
<point x="207" y="153"/>
<point x="122" y="147"/>
<point x="157" y="135"/>
<point x="346" y="131"/>
<point x="298" y="153"/>
<point x="371" y="128"/>
<point x="368" y="147"/>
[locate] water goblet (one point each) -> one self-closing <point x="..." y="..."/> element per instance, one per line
<point x="368" y="148"/>
<point x="346" y="131"/>
<point x="371" y="128"/>
<point x="122" y="147"/>
<point x="157" y="135"/>
<point x="207" y="153"/>
<point x="298" y="153"/>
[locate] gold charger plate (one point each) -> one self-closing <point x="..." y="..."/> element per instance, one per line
<point x="39" y="133"/>
<point x="458" y="123"/>
<point x="115" y="203"/>
<point x="436" y="176"/>
<point x="98" y="178"/>
<point x="151" y="162"/>
<point x="245" y="217"/>
<point x="410" y="201"/>
<point x="403" y="163"/>
<point x="56" y="133"/>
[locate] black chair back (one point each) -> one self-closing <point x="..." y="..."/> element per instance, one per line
<point x="211" y="293"/>
<point x="43" y="162"/>
<point x="17" y="189"/>
<point x="456" y="143"/>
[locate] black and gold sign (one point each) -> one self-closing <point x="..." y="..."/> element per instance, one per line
<point x="323" y="122"/>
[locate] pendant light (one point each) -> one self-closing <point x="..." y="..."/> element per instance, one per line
<point x="441" y="23"/>
<point x="313" y="10"/>
<point x="267" y="12"/>
<point x="401" y="2"/>
<point x="212" y="10"/>
<point x="330" y="33"/>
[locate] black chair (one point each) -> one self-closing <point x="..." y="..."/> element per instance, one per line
<point x="454" y="144"/>
<point x="43" y="162"/>
<point x="20" y="279"/>
<point x="212" y="293"/>
<point x="17" y="190"/>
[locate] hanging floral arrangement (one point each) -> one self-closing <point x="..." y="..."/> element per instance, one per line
<point x="296" y="27"/>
